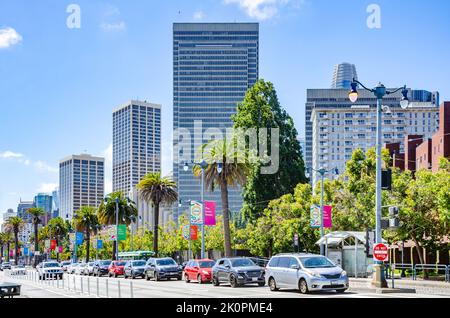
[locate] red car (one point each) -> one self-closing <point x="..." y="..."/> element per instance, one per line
<point x="198" y="270"/>
<point x="116" y="268"/>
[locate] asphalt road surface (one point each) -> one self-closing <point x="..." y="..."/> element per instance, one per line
<point x="76" y="286"/>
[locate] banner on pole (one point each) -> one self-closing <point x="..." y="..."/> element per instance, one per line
<point x="194" y="232"/>
<point x="186" y="232"/>
<point x="315" y="216"/>
<point x="79" y="238"/>
<point x="99" y="244"/>
<point x="327" y="220"/>
<point x="53" y="245"/>
<point x="196" y="213"/>
<point x="210" y="212"/>
<point x="122" y="232"/>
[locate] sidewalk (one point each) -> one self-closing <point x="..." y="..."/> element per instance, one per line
<point x="421" y="286"/>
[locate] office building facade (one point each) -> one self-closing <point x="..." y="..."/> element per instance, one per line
<point x="136" y="144"/>
<point x="81" y="183"/>
<point x="337" y="127"/>
<point x="45" y="202"/>
<point x="214" y="64"/>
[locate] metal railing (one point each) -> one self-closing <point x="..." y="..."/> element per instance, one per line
<point x="78" y="284"/>
<point x="436" y="267"/>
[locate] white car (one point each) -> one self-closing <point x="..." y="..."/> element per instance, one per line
<point x="79" y="270"/>
<point x="89" y="269"/>
<point x="49" y="270"/>
<point x="18" y="270"/>
<point x="65" y="265"/>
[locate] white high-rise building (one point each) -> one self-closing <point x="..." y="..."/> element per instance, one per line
<point x="136" y="144"/>
<point x="81" y="183"/>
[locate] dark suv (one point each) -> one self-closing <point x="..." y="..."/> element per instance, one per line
<point x="159" y="268"/>
<point x="101" y="268"/>
<point x="237" y="272"/>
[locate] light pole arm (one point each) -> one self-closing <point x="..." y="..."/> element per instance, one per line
<point x="367" y="89"/>
<point x="395" y="91"/>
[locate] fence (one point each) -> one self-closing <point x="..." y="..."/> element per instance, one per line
<point x="390" y="269"/>
<point x="82" y="285"/>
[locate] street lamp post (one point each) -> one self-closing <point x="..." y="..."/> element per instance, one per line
<point x="322" y="173"/>
<point x="203" y="165"/>
<point x="379" y="91"/>
<point x="117" y="230"/>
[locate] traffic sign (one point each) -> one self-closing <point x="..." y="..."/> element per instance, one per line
<point x="381" y="252"/>
<point x="296" y="239"/>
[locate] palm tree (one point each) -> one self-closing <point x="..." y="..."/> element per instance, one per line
<point x="36" y="213"/>
<point x="226" y="168"/>
<point x="107" y="212"/>
<point x="3" y="240"/>
<point x="14" y="225"/>
<point x="153" y="188"/>
<point x="7" y="239"/>
<point x="86" y="220"/>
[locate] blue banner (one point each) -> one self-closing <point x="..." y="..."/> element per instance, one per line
<point x="99" y="244"/>
<point x="25" y="250"/>
<point x="79" y="238"/>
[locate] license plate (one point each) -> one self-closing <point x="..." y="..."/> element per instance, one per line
<point x="255" y="279"/>
<point x="333" y="282"/>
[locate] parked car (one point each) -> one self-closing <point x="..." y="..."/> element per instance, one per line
<point x="49" y="270"/>
<point x="65" y="264"/>
<point x="305" y="272"/>
<point x="198" y="270"/>
<point x="71" y="268"/>
<point x="18" y="270"/>
<point x="89" y="269"/>
<point x="101" y="268"/>
<point x="79" y="270"/>
<point x="116" y="268"/>
<point x="5" y="265"/>
<point x="237" y="272"/>
<point x="134" y="269"/>
<point x="162" y="268"/>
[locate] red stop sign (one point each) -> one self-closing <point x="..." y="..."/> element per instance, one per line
<point x="381" y="252"/>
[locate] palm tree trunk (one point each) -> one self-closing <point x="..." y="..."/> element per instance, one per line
<point x="88" y="244"/>
<point x="1" y="254"/>
<point x="226" y="218"/>
<point x="155" y="229"/>
<point x="36" y="242"/>
<point x="16" y="247"/>
<point x="8" y="247"/>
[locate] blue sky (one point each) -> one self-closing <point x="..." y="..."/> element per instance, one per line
<point x="58" y="86"/>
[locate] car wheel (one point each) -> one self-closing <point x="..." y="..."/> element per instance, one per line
<point x="157" y="278"/>
<point x="132" y="276"/>
<point x="199" y="279"/>
<point x="272" y="284"/>
<point x="147" y="277"/>
<point x="233" y="281"/>
<point x="261" y="284"/>
<point x="179" y="277"/>
<point x="341" y="291"/>
<point x="215" y="281"/>
<point x="186" y="278"/>
<point x="303" y="286"/>
<point x="115" y="275"/>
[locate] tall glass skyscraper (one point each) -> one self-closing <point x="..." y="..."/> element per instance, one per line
<point x="136" y="143"/>
<point x="214" y="64"/>
<point x="81" y="183"/>
<point x="343" y="75"/>
<point x="45" y="202"/>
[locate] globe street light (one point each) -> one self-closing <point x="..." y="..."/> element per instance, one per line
<point x="379" y="91"/>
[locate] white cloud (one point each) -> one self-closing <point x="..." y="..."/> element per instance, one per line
<point x="47" y="187"/>
<point x="43" y="167"/>
<point x="199" y="15"/>
<point x="262" y="9"/>
<point x="9" y="154"/>
<point x="9" y="37"/>
<point x="107" y="154"/>
<point x="115" y="26"/>
<point x="39" y="165"/>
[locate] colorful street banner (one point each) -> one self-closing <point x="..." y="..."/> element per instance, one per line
<point x="47" y="244"/>
<point x="99" y="244"/>
<point x="196" y="213"/>
<point x="79" y="238"/>
<point x="25" y="250"/>
<point x="210" y="213"/>
<point x="60" y="249"/>
<point x="315" y="216"/>
<point x="122" y="232"/>
<point x="53" y="245"/>
<point x="194" y="232"/>
<point x="327" y="220"/>
<point x="186" y="232"/>
<point x="316" y="219"/>
<point x="72" y="238"/>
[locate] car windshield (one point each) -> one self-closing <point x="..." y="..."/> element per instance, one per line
<point x="242" y="262"/>
<point x="66" y="263"/>
<point x="51" y="265"/>
<point x="105" y="263"/>
<point x="314" y="262"/>
<point x="82" y="265"/>
<point x="120" y="263"/>
<point x="206" y="264"/>
<point x="91" y="264"/>
<point x="139" y="263"/>
<point x="165" y="262"/>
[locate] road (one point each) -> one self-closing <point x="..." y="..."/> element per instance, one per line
<point x="75" y="286"/>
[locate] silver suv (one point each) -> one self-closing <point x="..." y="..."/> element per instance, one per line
<point x="305" y="272"/>
<point x="48" y="270"/>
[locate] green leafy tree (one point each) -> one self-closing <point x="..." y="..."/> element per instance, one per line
<point x="226" y="168"/>
<point x="261" y="109"/>
<point x="152" y="188"/>
<point x="86" y="221"/>
<point x="14" y="225"/>
<point x="36" y="214"/>
<point x="107" y="212"/>
<point x="59" y="231"/>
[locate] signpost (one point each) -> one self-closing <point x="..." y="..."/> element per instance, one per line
<point x="296" y="242"/>
<point x="381" y="252"/>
